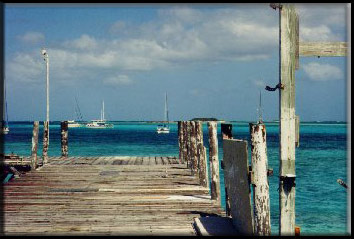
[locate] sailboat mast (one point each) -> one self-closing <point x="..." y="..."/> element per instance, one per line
<point x="166" y="109"/>
<point x="103" y="110"/>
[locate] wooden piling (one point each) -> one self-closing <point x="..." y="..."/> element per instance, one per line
<point x="297" y="131"/>
<point x="202" y="166"/>
<point x="214" y="161"/>
<point x="64" y="138"/>
<point x="287" y="120"/>
<point x="226" y="132"/>
<point x="193" y="153"/>
<point x="188" y="134"/>
<point x="260" y="183"/>
<point x="184" y="142"/>
<point x="45" y="142"/>
<point x="180" y="136"/>
<point x="34" y="144"/>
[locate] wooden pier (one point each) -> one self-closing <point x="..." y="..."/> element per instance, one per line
<point x="106" y="196"/>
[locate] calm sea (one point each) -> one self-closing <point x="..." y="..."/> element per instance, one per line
<point x="321" y="203"/>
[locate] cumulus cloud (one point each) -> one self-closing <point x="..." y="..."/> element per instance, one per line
<point x="32" y="37"/>
<point x="118" y="80"/>
<point x="179" y="36"/>
<point x="322" y="72"/>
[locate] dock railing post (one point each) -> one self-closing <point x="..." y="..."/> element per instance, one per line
<point x="259" y="180"/>
<point x="200" y="155"/>
<point x="226" y="132"/>
<point x="288" y="21"/>
<point x="214" y="161"/>
<point x="45" y="142"/>
<point x="180" y="138"/>
<point x="64" y="138"/>
<point x="188" y="144"/>
<point x="184" y="142"/>
<point x="194" y="158"/>
<point x="34" y="158"/>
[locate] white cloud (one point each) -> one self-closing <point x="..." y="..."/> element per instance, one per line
<point x="118" y="80"/>
<point x="85" y="42"/>
<point x="32" y="37"/>
<point x="322" y="72"/>
<point x="177" y="37"/>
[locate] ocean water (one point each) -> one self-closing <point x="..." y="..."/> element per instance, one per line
<point x="321" y="203"/>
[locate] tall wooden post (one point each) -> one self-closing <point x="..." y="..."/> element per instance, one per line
<point x="45" y="142"/>
<point x="188" y="144"/>
<point x="184" y="142"/>
<point x="260" y="180"/>
<point x="64" y="138"/>
<point x="34" y="144"/>
<point x="180" y="136"/>
<point x="226" y="132"/>
<point x="202" y="167"/>
<point x="194" y="159"/>
<point x="288" y="21"/>
<point x="214" y="161"/>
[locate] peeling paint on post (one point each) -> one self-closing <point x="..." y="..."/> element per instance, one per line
<point x="200" y="154"/>
<point x="45" y="142"/>
<point x="189" y="162"/>
<point x="64" y="138"/>
<point x="226" y="131"/>
<point x="35" y="144"/>
<point x="180" y="135"/>
<point x="297" y="131"/>
<point x="260" y="180"/>
<point x="287" y="120"/>
<point x="194" y="159"/>
<point x="214" y="161"/>
<point x="184" y="142"/>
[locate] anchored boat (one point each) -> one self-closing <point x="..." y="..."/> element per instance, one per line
<point x="101" y="123"/>
<point x="164" y="128"/>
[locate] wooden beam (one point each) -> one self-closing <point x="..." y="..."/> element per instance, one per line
<point x="214" y="161"/>
<point x="323" y="48"/>
<point x="287" y="120"/>
<point x="34" y="144"/>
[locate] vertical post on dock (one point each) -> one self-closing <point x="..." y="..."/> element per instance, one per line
<point x="288" y="20"/>
<point x="194" y="160"/>
<point x="180" y="135"/>
<point x="297" y="131"/>
<point x="188" y="143"/>
<point x="45" y="142"/>
<point x="200" y="154"/>
<point x="260" y="179"/>
<point x="206" y="167"/>
<point x="64" y="138"/>
<point x="226" y="132"/>
<point x="214" y="161"/>
<point x="34" y="144"/>
<point x="184" y="142"/>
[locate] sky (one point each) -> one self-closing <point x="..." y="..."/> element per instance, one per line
<point x="213" y="60"/>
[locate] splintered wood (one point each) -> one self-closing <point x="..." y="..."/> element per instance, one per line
<point x="106" y="196"/>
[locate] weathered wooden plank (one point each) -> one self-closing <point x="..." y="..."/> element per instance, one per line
<point x="64" y="138"/>
<point x="214" y="161"/>
<point x="324" y="49"/>
<point x="45" y="142"/>
<point x="287" y="118"/>
<point x="260" y="180"/>
<point x="236" y="173"/>
<point x="108" y="198"/>
<point x="35" y="144"/>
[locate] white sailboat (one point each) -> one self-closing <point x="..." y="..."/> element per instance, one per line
<point x="5" y="123"/>
<point x="101" y="123"/>
<point x="73" y="123"/>
<point x="164" y="128"/>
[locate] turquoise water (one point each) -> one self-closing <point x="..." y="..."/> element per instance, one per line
<point x="321" y="203"/>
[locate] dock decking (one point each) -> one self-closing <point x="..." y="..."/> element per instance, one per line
<point x="106" y="196"/>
